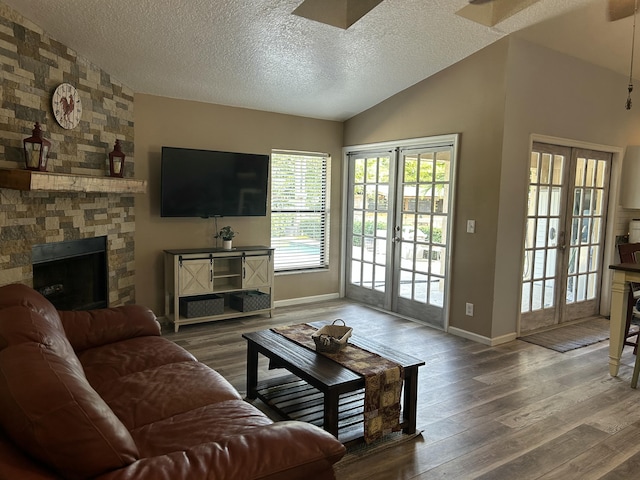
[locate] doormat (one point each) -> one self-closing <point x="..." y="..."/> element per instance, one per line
<point x="570" y="337"/>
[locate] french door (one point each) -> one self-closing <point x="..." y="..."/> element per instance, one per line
<point x="399" y="205"/>
<point x="564" y="238"/>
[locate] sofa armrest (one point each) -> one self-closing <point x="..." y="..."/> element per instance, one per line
<point x="92" y="328"/>
<point x="284" y="450"/>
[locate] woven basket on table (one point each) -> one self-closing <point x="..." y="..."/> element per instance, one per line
<point x="332" y="338"/>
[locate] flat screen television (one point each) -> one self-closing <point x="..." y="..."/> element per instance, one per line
<point x="206" y="183"/>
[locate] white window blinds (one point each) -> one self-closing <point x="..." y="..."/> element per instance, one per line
<point x="299" y="210"/>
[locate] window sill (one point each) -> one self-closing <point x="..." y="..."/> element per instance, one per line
<point x="296" y="272"/>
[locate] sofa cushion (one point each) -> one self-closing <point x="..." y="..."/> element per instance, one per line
<point x="159" y="393"/>
<point x="93" y="328"/>
<point x="211" y="423"/>
<point x="281" y="450"/>
<point x="109" y="362"/>
<point x="48" y="408"/>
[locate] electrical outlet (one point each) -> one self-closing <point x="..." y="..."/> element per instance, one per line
<point x="469" y="309"/>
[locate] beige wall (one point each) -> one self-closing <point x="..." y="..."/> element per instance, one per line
<point x="168" y="122"/>
<point x="496" y="99"/>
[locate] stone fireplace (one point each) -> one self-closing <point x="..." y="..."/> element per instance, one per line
<point x="42" y="218"/>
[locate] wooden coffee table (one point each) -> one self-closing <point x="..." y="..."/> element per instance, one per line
<point x="321" y="388"/>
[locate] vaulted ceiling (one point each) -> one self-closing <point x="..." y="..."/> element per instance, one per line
<point x="257" y="54"/>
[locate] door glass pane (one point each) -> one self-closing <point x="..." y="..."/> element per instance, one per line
<point x="554" y="228"/>
<point x="598" y="202"/>
<point x="538" y="290"/>
<point x="552" y="256"/>
<point x="573" y="260"/>
<point x="594" y="258"/>
<point x="577" y="201"/>
<point x="575" y="231"/>
<point x="525" y="305"/>
<point x="406" y="284"/>
<point x="530" y="234"/>
<point x="555" y="201"/>
<point x="533" y="200"/>
<point x="545" y="168"/>
<point x="580" y="172"/>
<point x="527" y="270"/>
<point x="541" y="234"/>
<point x="356" y="277"/>
<point x="371" y="174"/>
<point x="590" y="174"/>
<point x="443" y="168"/>
<point x="436" y="292"/>
<point x="426" y="168"/>
<point x="440" y="229"/>
<point x="596" y="231"/>
<point x="543" y="201"/>
<point x="538" y="264"/>
<point x="549" y="293"/>
<point x="410" y="168"/>
<point x="558" y="169"/>
<point x="534" y="168"/>
<point x="582" y="288"/>
<point x="601" y="174"/>
<point x="593" y="285"/>
<point x="357" y="247"/>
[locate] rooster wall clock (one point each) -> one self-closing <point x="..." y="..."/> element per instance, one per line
<point x="67" y="107"/>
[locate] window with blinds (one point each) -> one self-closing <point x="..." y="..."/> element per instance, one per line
<point x="299" y="210"/>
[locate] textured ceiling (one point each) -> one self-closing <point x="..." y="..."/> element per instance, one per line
<point x="256" y="54"/>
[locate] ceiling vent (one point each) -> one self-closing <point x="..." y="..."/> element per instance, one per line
<point x="338" y="13"/>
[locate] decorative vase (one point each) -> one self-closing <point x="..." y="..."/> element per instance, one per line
<point x="226" y="244"/>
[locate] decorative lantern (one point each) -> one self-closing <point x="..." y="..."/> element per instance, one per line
<point x="116" y="161"/>
<point x="36" y="150"/>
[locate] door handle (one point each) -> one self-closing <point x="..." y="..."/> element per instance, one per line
<point x="561" y="243"/>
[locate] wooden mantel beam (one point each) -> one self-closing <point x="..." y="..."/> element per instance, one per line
<point x="29" y="180"/>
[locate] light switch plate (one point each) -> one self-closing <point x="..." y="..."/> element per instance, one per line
<point x="471" y="226"/>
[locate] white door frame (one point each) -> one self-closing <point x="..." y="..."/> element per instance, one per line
<point x="614" y="193"/>
<point x="454" y="139"/>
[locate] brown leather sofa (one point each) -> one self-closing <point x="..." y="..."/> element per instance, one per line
<point x="100" y="394"/>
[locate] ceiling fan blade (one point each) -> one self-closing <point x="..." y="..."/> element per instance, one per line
<point x="618" y="9"/>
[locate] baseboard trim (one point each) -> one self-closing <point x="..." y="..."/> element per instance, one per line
<point x="303" y="300"/>
<point x="492" y="342"/>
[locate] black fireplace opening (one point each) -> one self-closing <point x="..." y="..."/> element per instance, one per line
<point x="72" y="274"/>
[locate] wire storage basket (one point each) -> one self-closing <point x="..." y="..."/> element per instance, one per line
<point x="332" y="338"/>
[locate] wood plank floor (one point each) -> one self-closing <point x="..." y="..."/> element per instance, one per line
<point x="515" y="411"/>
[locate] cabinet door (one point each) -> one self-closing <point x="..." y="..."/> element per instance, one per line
<point x="256" y="271"/>
<point x="195" y="276"/>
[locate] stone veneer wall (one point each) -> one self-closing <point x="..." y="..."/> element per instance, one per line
<point x="32" y="65"/>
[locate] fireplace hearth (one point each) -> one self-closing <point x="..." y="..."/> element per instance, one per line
<point x="72" y="274"/>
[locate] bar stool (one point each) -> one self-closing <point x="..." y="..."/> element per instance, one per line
<point x="629" y="253"/>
